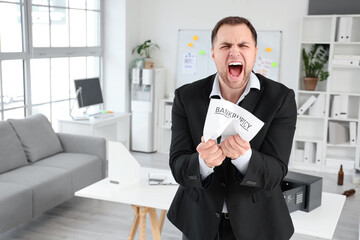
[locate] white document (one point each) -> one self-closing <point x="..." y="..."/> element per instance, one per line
<point x="352" y="133"/>
<point x="226" y="118"/>
<point x="318" y="108"/>
<point x="189" y="63"/>
<point x="159" y="178"/>
<point x="306" y="105"/>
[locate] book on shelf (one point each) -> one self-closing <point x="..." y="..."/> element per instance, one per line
<point x="352" y="133"/>
<point x="338" y="133"/>
<point x="306" y="105"/>
<point x="318" y="107"/>
<point x="344" y="29"/>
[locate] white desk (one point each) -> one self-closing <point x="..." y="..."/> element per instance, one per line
<point x="144" y="198"/>
<point x="321" y="222"/>
<point x="135" y="190"/>
<point x="115" y="128"/>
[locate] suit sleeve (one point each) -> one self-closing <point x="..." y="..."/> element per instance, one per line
<point x="269" y="164"/>
<point x="184" y="159"/>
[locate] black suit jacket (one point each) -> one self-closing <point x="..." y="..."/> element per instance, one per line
<point x="254" y="200"/>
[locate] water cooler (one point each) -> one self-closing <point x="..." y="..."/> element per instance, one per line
<point x="147" y="88"/>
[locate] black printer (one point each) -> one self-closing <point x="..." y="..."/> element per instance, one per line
<point x="302" y="191"/>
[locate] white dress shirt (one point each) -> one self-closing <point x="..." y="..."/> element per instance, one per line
<point x="242" y="162"/>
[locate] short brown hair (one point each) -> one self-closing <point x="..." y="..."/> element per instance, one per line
<point x="233" y="21"/>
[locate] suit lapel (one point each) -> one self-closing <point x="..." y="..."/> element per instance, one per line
<point x="251" y="99"/>
<point x="206" y="93"/>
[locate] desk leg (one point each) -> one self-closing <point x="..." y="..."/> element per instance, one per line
<point x="162" y="219"/>
<point x="135" y="224"/>
<point x="140" y="218"/>
<point x="142" y="229"/>
<point x="154" y="224"/>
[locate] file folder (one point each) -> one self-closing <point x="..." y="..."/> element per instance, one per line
<point x="309" y="152"/>
<point x="344" y="29"/>
<point x="352" y="133"/>
<point x="306" y="105"/>
<point x="318" y="108"/>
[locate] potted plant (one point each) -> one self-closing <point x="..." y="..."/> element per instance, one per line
<point x="145" y="49"/>
<point x="314" y="62"/>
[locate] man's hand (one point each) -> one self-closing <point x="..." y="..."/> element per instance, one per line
<point x="210" y="152"/>
<point x="234" y="146"/>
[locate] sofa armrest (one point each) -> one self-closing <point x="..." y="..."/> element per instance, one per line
<point x="84" y="144"/>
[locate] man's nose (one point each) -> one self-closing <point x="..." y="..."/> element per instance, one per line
<point x="235" y="51"/>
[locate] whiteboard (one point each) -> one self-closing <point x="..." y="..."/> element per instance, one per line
<point x="194" y="60"/>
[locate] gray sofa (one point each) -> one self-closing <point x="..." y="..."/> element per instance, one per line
<point x="40" y="169"/>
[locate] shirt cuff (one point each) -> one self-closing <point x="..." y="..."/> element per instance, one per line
<point x="242" y="162"/>
<point x="205" y="171"/>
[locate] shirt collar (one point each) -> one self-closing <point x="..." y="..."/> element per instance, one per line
<point x="253" y="83"/>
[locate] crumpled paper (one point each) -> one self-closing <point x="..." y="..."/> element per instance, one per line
<point x="225" y="118"/>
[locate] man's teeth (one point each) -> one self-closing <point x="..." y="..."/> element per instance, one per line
<point x="235" y="63"/>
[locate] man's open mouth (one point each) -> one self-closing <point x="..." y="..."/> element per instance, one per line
<point x="235" y="68"/>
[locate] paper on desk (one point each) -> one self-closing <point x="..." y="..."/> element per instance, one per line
<point x="226" y="118"/>
<point x="156" y="178"/>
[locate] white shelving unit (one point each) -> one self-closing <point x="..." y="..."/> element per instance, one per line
<point x="343" y="81"/>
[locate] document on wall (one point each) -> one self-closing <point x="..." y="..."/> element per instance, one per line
<point x="189" y="63"/>
<point x="225" y="118"/>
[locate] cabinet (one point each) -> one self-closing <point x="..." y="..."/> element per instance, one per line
<point x="329" y="136"/>
<point x="164" y="127"/>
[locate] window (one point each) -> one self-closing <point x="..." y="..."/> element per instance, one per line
<point x="41" y="58"/>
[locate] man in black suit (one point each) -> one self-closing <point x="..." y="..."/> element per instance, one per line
<point x="230" y="188"/>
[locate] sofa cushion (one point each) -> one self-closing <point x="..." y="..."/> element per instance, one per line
<point x="36" y="136"/>
<point x="15" y="205"/>
<point x="12" y="154"/>
<point x="50" y="186"/>
<point x="85" y="169"/>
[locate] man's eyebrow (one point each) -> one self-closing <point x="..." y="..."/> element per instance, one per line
<point x="226" y="43"/>
<point x="239" y="43"/>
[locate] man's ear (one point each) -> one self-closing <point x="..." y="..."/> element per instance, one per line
<point x="212" y="53"/>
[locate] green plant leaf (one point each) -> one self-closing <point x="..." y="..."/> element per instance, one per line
<point x="315" y="60"/>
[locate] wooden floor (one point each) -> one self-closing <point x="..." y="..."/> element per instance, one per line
<point x="87" y="219"/>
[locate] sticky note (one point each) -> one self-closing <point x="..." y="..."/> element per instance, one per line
<point x="195" y="37"/>
<point x="268" y="49"/>
<point x="202" y="52"/>
<point x="274" y="64"/>
<point x="190" y="44"/>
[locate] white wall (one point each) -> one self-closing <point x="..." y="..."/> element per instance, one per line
<point x="121" y="33"/>
<point x="161" y="20"/>
<point x="130" y="22"/>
